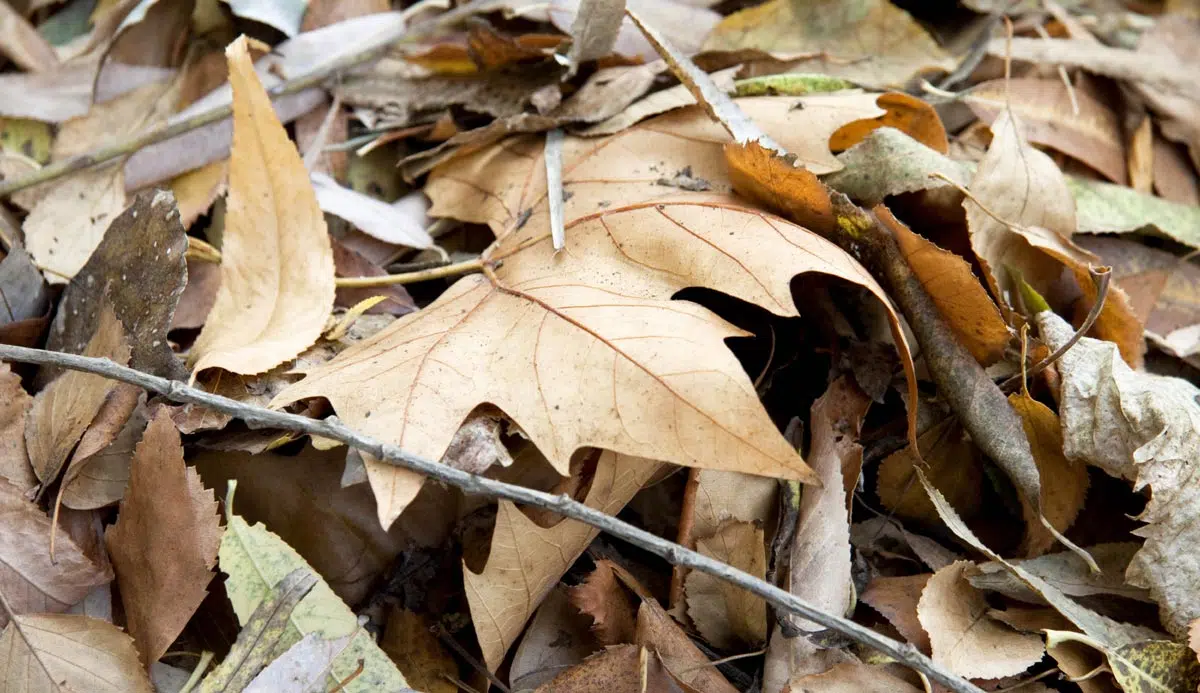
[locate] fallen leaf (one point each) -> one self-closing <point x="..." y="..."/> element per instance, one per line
<point x="62" y="411"/>
<point x="850" y="677"/>
<point x="869" y="537"/>
<point x="618" y="669"/>
<point x="594" y="31"/>
<point x="687" y="23"/>
<point x="64" y="652"/>
<point x="22" y="43"/>
<point x="196" y="190"/>
<point x="164" y="544"/>
<point x="302" y="668"/>
<point x="198" y="295"/>
<point x="896" y="599"/>
<point x="657" y="631"/>
<point x="725" y="615"/>
<point x="1150" y="665"/>
<point x="654" y="104"/>
<point x="954" y="466"/>
<point x="99" y="468"/>
<point x="66" y="92"/>
<point x="1166" y="72"/>
<point x="23" y="289"/>
<point x="1068" y="573"/>
<point x="557" y="638"/>
<point x="724" y="495"/>
<point x="871" y="42"/>
<point x="1172" y="42"/>
<point x="1107" y="208"/>
<point x="417" y="653"/>
<point x="29" y="579"/>
<point x="256" y="561"/>
<point x="14" y="404"/>
<point x="277" y="267"/>
<point x="526" y="560"/>
<point x="1140" y="427"/>
<point x="915" y="117"/>
<point x="546" y="308"/>
<point x="963" y="637"/>
<point x="1092" y="136"/>
<point x="139" y="271"/>
<point x="602" y="597"/>
<point x="369" y="215"/>
<point x="348" y="263"/>
<point x="284" y="15"/>
<point x="1174" y="177"/>
<point x="261" y="639"/>
<point x="1064" y="482"/>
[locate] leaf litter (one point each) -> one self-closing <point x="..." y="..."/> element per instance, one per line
<point x="543" y="246"/>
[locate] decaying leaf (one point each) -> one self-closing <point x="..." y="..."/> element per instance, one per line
<point x="49" y="653"/>
<point x="1149" y="665"/>
<point x="277" y="266"/>
<point x="602" y="597"/>
<point x="1068" y="573"/>
<point x="14" y="404"/>
<point x="557" y="638"/>
<point x="963" y="637"/>
<point x="1064" y="482"/>
<point x="416" y="651"/>
<point x="729" y="616"/>
<point x="657" y="631"/>
<point x="98" y="471"/>
<point x="1144" y="428"/>
<point x="164" y="544"/>
<point x="953" y="463"/>
<point x="850" y="677"/>
<point x="526" y="560"/>
<point x="62" y="411"/>
<point x="896" y="598"/>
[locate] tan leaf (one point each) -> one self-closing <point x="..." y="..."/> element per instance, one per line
<point x="417" y="652"/>
<point x="1093" y="136"/>
<point x="656" y="630"/>
<point x="14" y="404"/>
<point x="619" y="669"/>
<point x="723" y="495"/>
<point x="526" y="560"/>
<point x="164" y="544"/>
<point x="1140" y="427"/>
<point x="955" y="467"/>
<point x="870" y="42"/>
<point x="729" y="616"/>
<point x="62" y="411"/>
<point x="1067" y="572"/>
<point x="896" y="598"/>
<point x="22" y="43"/>
<point x="1028" y="224"/>
<point x="610" y="606"/>
<point x="63" y="653"/>
<point x="1064" y="482"/>
<point x="850" y="677"/>
<point x="277" y="266"/>
<point x="99" y="469"/>
<point x="963" y="637"/>
<point x="29" y="579"/>
<point x="557" y="638"/>
<point x="196" y="190"/>
<point x="601" y="313"/>
<point x="1077" y="660"/>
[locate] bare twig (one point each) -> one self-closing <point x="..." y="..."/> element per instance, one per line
<point x="563" y="504"/>
<point x="317" y="76"/>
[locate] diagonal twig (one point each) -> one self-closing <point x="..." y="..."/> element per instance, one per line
<point x="562" y="504"/>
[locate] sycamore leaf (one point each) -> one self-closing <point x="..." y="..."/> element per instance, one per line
<point x="1145" y="428"/>
<point x="164" y="544"/>
<point x="526" y="560"/>
<point x="62" y="411"/>
<point x="30" y="580"/>
<point x="256" y="561"/>
<point x="277" y="278"/>
<point x="536" y="324"/>
<point x="64" y="653"/>
<point x="964" y="638"/>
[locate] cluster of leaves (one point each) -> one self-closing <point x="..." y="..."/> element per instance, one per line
<point x="767" y="245"/>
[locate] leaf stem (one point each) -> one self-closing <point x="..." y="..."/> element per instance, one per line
<point x="563" y="504"/>
<point x="464" y="267"/>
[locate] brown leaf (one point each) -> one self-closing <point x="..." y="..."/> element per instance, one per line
<point x="915" y="117"/>
<point x="62" y="411"/>
<point x="164" y="544"/>
<point x="418" y="654"/>
<point x="619" y="669"/>
<point x="557" y="638"/>
<point x="348" y="263"/>
<point x="63" y="653"/>
<point x="526" y="560"/>
<point x="1068" y="573"/>
<point x="723" y="495"/>
<point x="544" y="310"/>
<point x="871" y="42"/>
<point x="602" y="597"/>
<point x="687" y="23"/>
<point x="728" y="616"/>
<point x="277" y="267"/>
<point x="22" y="43"/>
<point x="29" y="579"/>
<point x="99" y="470"/>
<point x="1064" y="482"/>
<point x="1172" y="42"/>
<point x="963" y="637"/>
<point x="896" y="598"/>
<point x="139" y="271"/>
<point x="955" y="467"/>
<point x="656" y="630"/>
<point x="66" y="92"/>
<point x="14" y="404"/>
<point x="1044" y="105"/>
<point x="850" y="677"/>
<point x="198" y="296"/>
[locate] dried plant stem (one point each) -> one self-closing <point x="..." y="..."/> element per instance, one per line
<point x="684" y="537"/>
<point x="454" y="270"/>
<point x="259" y="417"/>
<point x="317" y="76"/>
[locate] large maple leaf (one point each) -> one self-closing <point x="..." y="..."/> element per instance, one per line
<point x="585" y="347"/>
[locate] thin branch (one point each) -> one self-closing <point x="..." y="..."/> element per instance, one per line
<point x="317" y="76"/>
<point x="259" y="417"/>
<point x="464" y="267"/>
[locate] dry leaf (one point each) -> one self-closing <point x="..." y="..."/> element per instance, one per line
<point x="871" y="42"/>
<point x="196" y="190"/>
<point x="629" y="234"/>
<point x="1172" y="42"/>
<point x="48" y="653"/>
<point x="1145" y="428"/>
<point x="882" y="536"/>
<point x="687" y="23"/>
<point x="14" y="403"/>
<point x="602" y="597"/>
<point x="594" y="31"/>
<point x="657" y="631"/>
<point x="727" y="616"/>
<point x="99" y="469"/>
<point x="963" y="637"/>
<point x="277" y="266"/>
<point x="850" y="677"/>
<point x="22" y="43"/>
<point x="418" y="654"/>
<point x="557" y="638"/>
<point x="1064" y="482"/>
<point x="164" y="544"/>
<point x="1068" y="573"/>
<point x="954" y="466"/>
<point x="374" y="218"/>
<point x="526" y="560"/>
<point x="659" y="102"/>
<point x="66" y="92"/>
<point x="62" y="411"/>
<point x="29" y="579"/>
<point x="722" y="496"/>
<point x="896" y="598"/>
<point x="619" y="669"/>
<point x="302" y="668"/>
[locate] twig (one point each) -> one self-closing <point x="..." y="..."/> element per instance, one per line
<point x="129" y="145"/>
<point x="1100" y="278"/>
<point x="464" y="267"/>
<point x="206" y="658"/>
<point x="448" y="639"/>
<point x="259" y="417"/>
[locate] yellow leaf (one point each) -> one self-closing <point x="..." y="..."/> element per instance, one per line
<point x="277" y="279"/>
